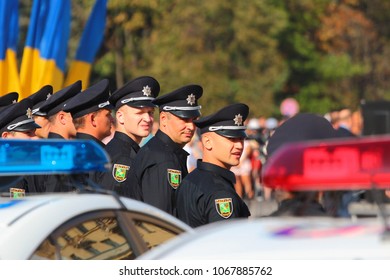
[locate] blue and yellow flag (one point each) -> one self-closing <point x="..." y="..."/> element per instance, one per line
<point x="91" y="39"/>
<point x="44" y="55"/>
<point x="9" y="27"/>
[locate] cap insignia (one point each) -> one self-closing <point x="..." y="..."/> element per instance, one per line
<point x="191" y="99"/>
<point x="147" y="91"/>
<point x="14" y="101"/>
<point x="48" y="95"/>
<point x="238" y="120"/>
<point x="29" y="113"/>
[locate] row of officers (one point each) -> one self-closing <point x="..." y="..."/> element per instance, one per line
<point x="155" y="173"/>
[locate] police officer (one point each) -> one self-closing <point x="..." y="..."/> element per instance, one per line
<point x="16" y="122"/>
<point x="91" y="112"/>
<point x="134" y="121"/>
<point x="40" y="118"/>
<point x="207" y="194"/>
<point x="8" y="99"/>
<point x="61" y="123"/>
<point x="161" y="163"/>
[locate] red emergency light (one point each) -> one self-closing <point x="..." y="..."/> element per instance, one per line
<point x="338" y="164"/>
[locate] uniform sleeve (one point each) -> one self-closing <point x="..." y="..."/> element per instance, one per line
<point x="224" y="205"/>
<point x="156" y="189"/>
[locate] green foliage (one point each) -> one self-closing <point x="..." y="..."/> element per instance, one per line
<point x="324" y="53"/>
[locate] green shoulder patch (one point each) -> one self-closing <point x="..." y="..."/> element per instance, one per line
<point x="224" y="207"/>
<point x="174" y="177"/>
<point x="120" y="172"/>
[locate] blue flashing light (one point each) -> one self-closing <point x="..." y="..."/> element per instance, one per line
<point x="51" y="156"/>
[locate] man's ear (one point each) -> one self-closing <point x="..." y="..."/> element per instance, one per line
<point x="61" y="117"/>
<point x="90" y="118"/>
<point x="120" y="117"/>
<point x="4" y="134"/>
<point x="163" y="119"/>
<point x="207" y="141"/>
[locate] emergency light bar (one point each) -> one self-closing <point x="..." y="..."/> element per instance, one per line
<point x="34" y="157"/>
<point x="337" y="164"/>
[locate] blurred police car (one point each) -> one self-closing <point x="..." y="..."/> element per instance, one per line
<point x="90" y="224"/>
<point x="345" y="164"/>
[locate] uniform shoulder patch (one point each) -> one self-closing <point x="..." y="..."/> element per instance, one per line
<point x="224" y="207"/>
<point x="174" y="177"/>
<point x="120" y="172"/>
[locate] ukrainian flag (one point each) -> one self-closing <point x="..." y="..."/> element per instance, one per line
<point x="9" y="27"/>
<point x="44" y="55"/>
<point x="91" y="39"/>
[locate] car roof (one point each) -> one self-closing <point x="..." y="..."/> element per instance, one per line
<point x="279" y="238"/>
<point x="76" y="203"/>
<point x="41" y="214"/>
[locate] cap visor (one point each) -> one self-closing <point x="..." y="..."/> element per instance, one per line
<point x="27" y="127"/>
<point x="141" y="104"/>
<point x="232" y="133"/>
<point x="189" y="114"/>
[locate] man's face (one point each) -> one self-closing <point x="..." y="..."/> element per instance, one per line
<point x="222" y="151"/>
<point x="69" y="126"/>
<point x="135" y="122"/>
<point x="103" y="123"/>
<point x="179" y="130"/>
<point x="43" y="122"/>
<point x="30" y="134"/>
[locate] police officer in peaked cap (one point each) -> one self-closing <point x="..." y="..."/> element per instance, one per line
<point x="40" y="118"/>
<point x="16" y="121"/>
<point x="134" y="117"/>
<point x="207" y="194"/>
<point x="161" y="163"/>
<point x="8" y="99"/>
<point x="91" y="112"/>
<point x="61" y="127"/>
<point x="61" y="123"/>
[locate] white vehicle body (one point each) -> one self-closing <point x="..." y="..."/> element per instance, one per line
<point x="279" y="239"/>
<point x="25" y="223"/>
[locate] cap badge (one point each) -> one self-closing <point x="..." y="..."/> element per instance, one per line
<point x="29" y="113"/>
<point x="191" y="99"/>
<point x="14" y="101"/>
<point x="48" y="96"/>
<point x="238" y="120"/>
<point x="147" y="91"/>
<point x="224" y="207"/>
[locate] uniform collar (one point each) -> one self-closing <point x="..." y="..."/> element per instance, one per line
<point x="86" y="136"/>
<point x="223" y="172"/>
<point x="53" y="135"/>
<point x="169" y="142"/>
<point x="127" y="139"/>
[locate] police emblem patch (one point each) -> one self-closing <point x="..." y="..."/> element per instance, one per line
<point x="174" y="177"/>
<point x="119" y="172"/>
<point x="224" y="207"/>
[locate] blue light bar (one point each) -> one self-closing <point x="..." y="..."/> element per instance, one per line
<point x="51" y="156"/>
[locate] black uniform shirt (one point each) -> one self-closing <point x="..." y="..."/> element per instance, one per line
<point x="59" y="182"/>
<point x="159" y="167"/>
<point x="93" y="175"/>
<point x="122" y="150"/>
<point x="207" y="195"/>
<point x="53" y="135"/>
